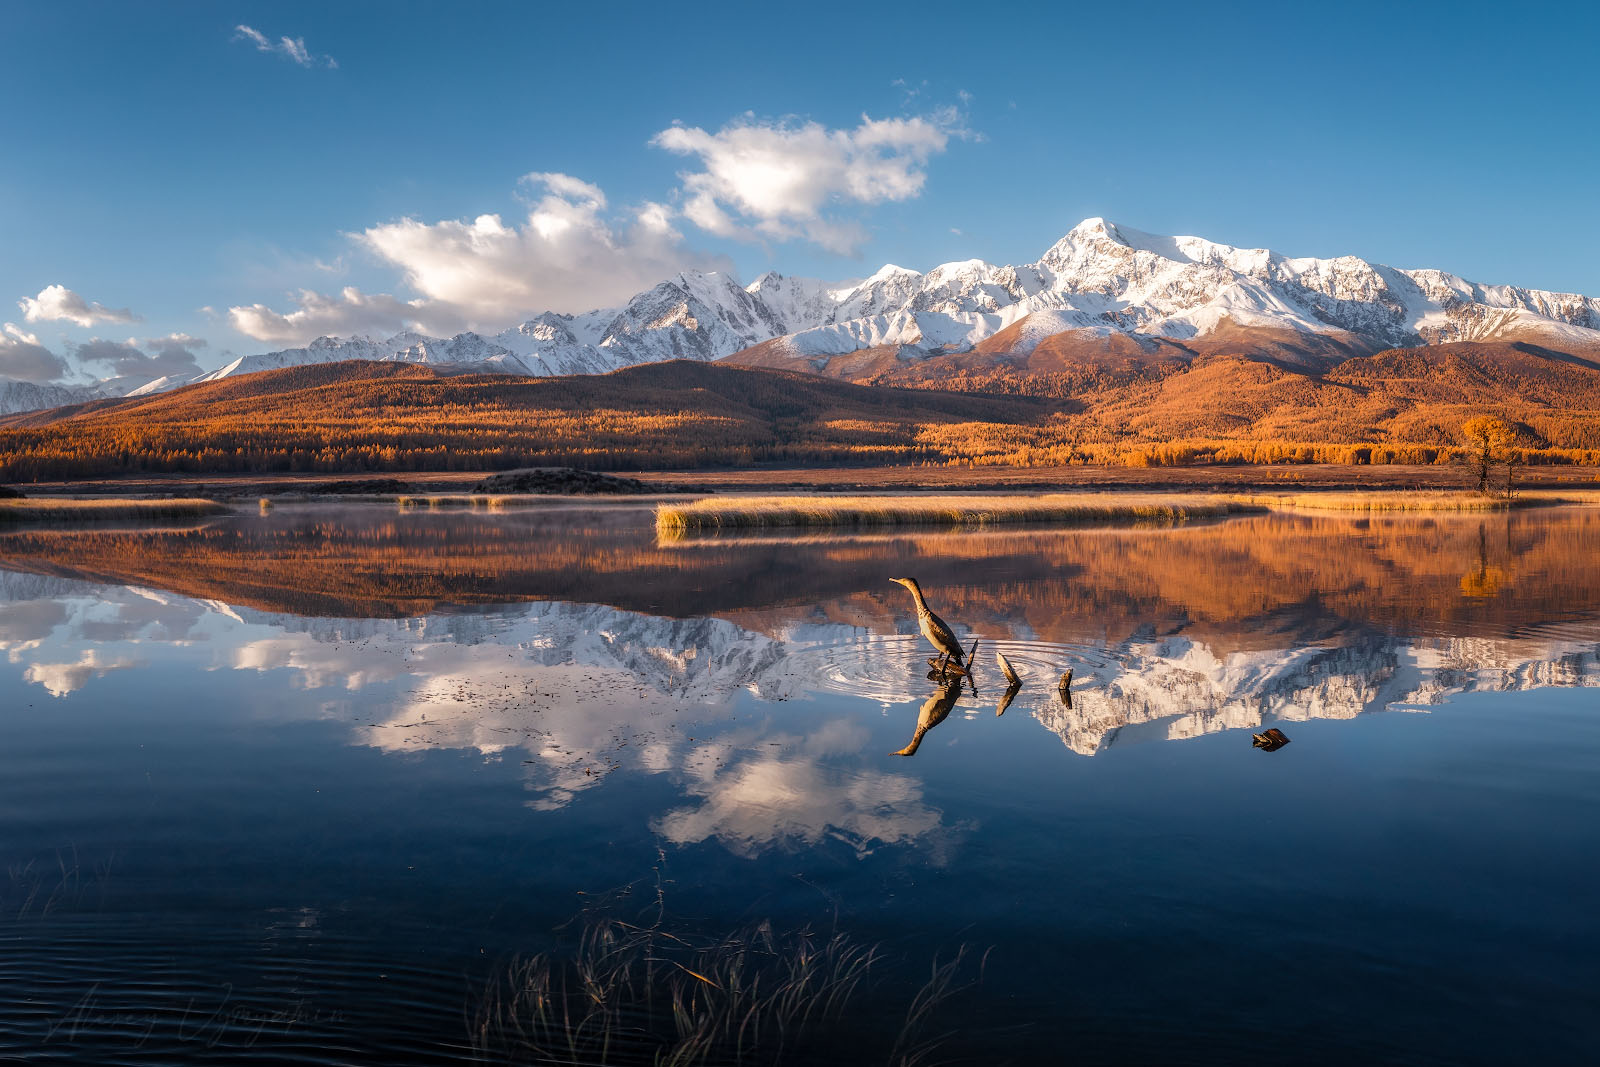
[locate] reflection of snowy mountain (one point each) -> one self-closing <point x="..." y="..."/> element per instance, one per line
<point x="576" y="691"/>
<point x="700" y="660"/>
<point x="1144" y="688"/>
<point x="1178" y="689"/>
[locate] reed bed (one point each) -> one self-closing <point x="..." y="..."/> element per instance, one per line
<point x="73" y="509"/>
<point x="806" y="511"/>
<point x="636" y="994"/>
<point x="1391" y="501"/>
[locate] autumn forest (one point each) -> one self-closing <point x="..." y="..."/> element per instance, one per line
<point x="1402" y="406"/>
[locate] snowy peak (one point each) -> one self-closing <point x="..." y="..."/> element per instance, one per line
<point x="1099" y="280"/>
<point x="31" y="396"/>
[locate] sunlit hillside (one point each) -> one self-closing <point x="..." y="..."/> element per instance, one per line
<point x="1399" y="406"/>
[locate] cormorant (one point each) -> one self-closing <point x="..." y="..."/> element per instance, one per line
<point x="934" y="628"/>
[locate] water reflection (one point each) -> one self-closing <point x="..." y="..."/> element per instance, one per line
<point x="934" y="710"/>
<point x="329" y="744"/>
<point x="467" y="625"/>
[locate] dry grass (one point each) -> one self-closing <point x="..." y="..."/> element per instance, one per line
<point x="71" y="509"/>
<point x="1416" y="502"/>
<point x="1358" y="501"/>
<point x="804" y="511"/>
<point x="674" y="521"/>
<point x="634" y="994"/>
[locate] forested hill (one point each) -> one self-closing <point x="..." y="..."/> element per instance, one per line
<point x="1401" y="405"/>
<point x="363" y="415"/>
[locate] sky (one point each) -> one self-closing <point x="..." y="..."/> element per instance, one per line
<point x="182" y="182"/>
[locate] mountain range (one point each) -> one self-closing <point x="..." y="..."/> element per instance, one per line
<point x="1103" y="295"/>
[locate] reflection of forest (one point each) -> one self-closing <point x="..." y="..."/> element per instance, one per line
<point x="1253" y="582"/>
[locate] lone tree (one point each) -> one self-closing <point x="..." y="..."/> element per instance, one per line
<point x="1489" y="440"/>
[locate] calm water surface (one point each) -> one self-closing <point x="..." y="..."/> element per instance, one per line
<point x="311" y="785"/>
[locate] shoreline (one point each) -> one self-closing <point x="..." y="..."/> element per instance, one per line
<point x="828" y="480"/>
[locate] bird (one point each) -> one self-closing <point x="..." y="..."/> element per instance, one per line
<point x="934" y="628"/>
<point x="935" y="710"/>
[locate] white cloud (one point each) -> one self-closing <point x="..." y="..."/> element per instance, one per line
<point x="782" y="180"/>
<point x="24" y="359"/>
<point x="182" y="340"/>
<point x="568" y="255"/>
<point x="58" y="303"/>
<point x="348" y="313"/>
<point x="573" y="252"/>
<point x="291" y="48"/>
<point x="17" y="333"/>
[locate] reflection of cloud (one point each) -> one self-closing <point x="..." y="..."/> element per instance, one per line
<point x="578" y="722"/>
<point x="24" y="624"/>
<point x="139" y="614"/>
<point x="59" y="679"/>
<point x="758" y="802"/>
<point x="319" y="664"/>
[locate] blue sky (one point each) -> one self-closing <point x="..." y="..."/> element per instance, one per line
<point x="161" y="161"/>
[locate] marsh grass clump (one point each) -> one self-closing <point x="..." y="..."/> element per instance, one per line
<point x="41" y="887"/>
<point x="74" y="509"/>
<point x="633" y="994"/>
<point x="803" y="511"/>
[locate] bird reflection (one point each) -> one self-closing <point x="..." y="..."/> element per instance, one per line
<point x="934" y="711"/>
<point x="934" y="628"/>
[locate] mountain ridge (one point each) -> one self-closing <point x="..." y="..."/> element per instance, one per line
<point x="1101" y="287"/>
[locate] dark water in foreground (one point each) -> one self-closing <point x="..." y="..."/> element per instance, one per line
<point x="307" y="786"/>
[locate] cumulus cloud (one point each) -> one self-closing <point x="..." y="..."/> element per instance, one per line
<point x="170" y="356"/>
<point x="573" y="252"/>
<point x="58" y="303"/>
<point x="17" y="333"/>
<point x="569" y="254"/>
<point x="349" y="312"/>
<point x="291" y="48"/>
<point x="24" y="359"/>
<point x="784" y="180"/>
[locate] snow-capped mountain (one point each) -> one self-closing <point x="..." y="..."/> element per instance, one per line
<point x="1100" y="283"/>
<point x="1100" y="279"/>
<point x="30" y="396"/>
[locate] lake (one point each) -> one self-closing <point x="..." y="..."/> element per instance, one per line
<point x="339" y="784"/>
